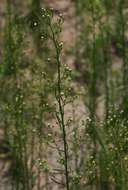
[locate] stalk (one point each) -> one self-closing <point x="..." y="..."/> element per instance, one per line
<point x="124" y="68"/>
<point x="60" y="104"/>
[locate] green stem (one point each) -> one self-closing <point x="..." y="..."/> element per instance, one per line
<point x="61" y="109"/>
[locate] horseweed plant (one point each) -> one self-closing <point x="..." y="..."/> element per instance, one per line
<point x="52" y="148"/>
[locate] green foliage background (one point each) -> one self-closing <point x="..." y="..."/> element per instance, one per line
<point x="52" y="147"/>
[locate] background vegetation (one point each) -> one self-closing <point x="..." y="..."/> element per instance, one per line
<point x="66" y="125"/>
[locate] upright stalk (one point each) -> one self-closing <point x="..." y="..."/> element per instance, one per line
<point x="122" y="23"/>
<point x="93" y="88"/>
<point x="60" y="104"/>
